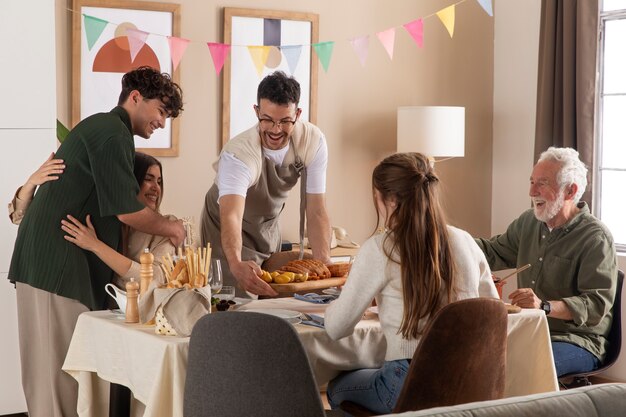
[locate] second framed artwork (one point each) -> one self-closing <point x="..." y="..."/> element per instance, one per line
<point x="101" y="55"/>
<point x="264" y="41"/>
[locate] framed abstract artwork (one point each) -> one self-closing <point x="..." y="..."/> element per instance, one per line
<point x="264" y="41"/>
<point x="112" y="37"/>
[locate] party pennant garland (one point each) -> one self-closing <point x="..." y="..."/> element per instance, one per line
<point x="292" y="54"/>
<point x="388" y="38"/>
<point x="324" y="51"/>
<point x="136" y="41"/>
<point x="259" y="54"/>
<point x="361" y="47"/>
<point x="486" y="4"/>
<point x="218" y="51"/>
<point x="177" y="49"/>
<point x="93" y="29"/>
<point x="416" y="30"/>
<point x="447" y="18"/>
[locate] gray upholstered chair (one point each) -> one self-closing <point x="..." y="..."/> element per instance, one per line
<point x="460" y="359"/>
<point x="248" y="364"/>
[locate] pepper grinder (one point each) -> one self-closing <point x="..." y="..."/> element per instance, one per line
<point x="146" y="272"/>
<point x="132" y="307"/>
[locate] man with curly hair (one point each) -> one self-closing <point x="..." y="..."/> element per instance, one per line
<point x="56" y="280"/>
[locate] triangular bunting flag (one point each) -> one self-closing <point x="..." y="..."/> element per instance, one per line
<point x="324" y="51"/>
<point x="361" y="47"/>
<point x="136" y="41"/>
<point x="487" y="5"/>
<point x="416" y="30"/>
<point x="93" y="29"/>
<point x="259" y="56"/>
<point x="292" y="54"/>
<point x="388" y="38"/>
<point x="177" y="49"/>
<point x="447" y="18"/>
<point x="218" y="54"/>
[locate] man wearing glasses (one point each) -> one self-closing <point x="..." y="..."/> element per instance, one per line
<point x="255" y="172"/>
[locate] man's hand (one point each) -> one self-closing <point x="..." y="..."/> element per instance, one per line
<point x="179" y="233"/>
<point x="525" y="298"/>
<point x="247" y="274"/>
<point x="149" y="221"/>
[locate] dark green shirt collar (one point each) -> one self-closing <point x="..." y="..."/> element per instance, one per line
<point x="123" y="114"/>
<point x="583" y="211"/>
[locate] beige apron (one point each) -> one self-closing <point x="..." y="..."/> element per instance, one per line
<point x="264" y="202"/>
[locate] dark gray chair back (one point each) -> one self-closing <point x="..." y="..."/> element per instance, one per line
<point x="615" y="343"/>
<point x="248" y="364"/>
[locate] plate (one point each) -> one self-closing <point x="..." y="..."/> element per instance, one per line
<point x="289" y="315"/>
<point x="332" y="291"/>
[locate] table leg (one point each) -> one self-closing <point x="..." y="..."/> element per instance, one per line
<point x="119" y="401"/>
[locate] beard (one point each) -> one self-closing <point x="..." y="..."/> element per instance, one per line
<point x="549" y="209"/>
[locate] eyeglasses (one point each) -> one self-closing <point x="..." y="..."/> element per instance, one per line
<point x="270" y="124"/>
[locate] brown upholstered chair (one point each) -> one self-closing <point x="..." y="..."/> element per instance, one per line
<point x="460" y="359"/>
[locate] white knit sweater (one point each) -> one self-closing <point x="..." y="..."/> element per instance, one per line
<point x="373" y="276"/>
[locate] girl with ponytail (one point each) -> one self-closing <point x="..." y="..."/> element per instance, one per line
<point x="414" y="268"/>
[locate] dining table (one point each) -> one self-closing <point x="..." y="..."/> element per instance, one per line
<point x="104" y="350"/>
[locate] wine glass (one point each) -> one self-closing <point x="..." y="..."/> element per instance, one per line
<point x="215" y="276"/>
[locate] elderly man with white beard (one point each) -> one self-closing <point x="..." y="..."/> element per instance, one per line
<point x="573" y="275"/>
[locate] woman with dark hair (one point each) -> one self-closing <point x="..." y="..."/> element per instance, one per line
<point x="149" y="174"/>
<point x="414" y="268"/>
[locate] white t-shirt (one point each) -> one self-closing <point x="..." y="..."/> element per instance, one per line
<point x="234" y="177"/>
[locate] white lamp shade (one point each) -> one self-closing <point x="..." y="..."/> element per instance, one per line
<point x="436" y="131"/>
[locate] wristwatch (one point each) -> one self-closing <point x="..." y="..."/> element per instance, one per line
<point x="546" y="307"/>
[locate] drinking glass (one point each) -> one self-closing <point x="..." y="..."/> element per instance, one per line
<point x="226" y="293"/>
<point x="215" y="276"/>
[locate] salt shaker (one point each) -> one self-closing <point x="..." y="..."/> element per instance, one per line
<point x="146" y="272"/>
<point x="132" y="307"/>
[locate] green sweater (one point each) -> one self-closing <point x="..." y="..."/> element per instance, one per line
<point x="575" y="263"/>
<point x="98" y="180"/>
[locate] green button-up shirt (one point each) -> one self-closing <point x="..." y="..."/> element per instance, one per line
<point x="575" y="263"/>
<point x="98" y="180"/>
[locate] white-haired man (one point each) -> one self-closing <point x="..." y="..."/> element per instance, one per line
<point x="574" y="265"/>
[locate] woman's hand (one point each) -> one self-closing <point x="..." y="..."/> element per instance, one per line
<point x="82" y="236"/>
<point x="48" y="171"/>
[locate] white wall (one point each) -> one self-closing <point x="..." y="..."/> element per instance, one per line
<point x="27" y="132"/>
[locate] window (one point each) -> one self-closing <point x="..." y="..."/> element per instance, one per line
<point x="610" y="164"/>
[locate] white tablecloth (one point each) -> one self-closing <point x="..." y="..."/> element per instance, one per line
<point x="105" y="349"/>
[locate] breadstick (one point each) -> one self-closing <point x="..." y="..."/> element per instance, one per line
<point x="165" y="273"/>
<point x="171" y="261"/>
<point x="203" y="260"/>
<point x="207" y="259"/>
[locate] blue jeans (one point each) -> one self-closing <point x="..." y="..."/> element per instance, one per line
<point x="569" y="358"/>
<point x="376" y="389"/>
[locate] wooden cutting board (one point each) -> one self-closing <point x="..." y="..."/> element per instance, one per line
<point x="311" y="285"/>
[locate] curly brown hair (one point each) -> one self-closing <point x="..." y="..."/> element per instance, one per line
<point x="153" y="84"/>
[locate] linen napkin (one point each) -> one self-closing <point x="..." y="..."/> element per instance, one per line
<point x="317" y="321"/>
<point x="315" y="298"/>
<point x="181" y="307"/>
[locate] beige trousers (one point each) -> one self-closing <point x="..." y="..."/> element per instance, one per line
<point x="46" y="322"/>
